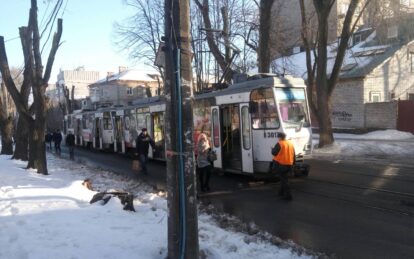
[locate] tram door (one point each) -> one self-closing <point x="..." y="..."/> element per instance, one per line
<point x="246" y="138"/>
<point x="216" y="136"/>
<point x="158" y="135"/>
<point x="97" y="140"/>
<point x="230" y="137"/>
<point x="119" y="143"/>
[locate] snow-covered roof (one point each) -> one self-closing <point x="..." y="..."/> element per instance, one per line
<point x="359" y="60"/>
<point x="131" y="75"/>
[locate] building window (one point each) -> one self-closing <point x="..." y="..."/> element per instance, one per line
<point x="392" y="32"/>
<point x="357" y="39"/>
<point x="296" y="50"/>
<point x="410" y="97"/>
<point x="375" y="97"/>
<point x="129" y="91"/>
<point x="405" y="3"/>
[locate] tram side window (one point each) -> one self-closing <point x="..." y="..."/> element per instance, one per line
<point x="107" y="124"/>
<point x="263" y="109"/>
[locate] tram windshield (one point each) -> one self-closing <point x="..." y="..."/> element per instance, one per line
<point x="292" y="105"/>
<point x="263" y="109"/>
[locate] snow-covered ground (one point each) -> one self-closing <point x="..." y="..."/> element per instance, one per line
<point x="388" y="146"/>
<point x="50" y="217"/>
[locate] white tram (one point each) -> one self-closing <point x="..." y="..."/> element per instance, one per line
<point x="241" y="121"/>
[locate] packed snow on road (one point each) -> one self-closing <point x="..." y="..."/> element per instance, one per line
<point x="51" y="217"/>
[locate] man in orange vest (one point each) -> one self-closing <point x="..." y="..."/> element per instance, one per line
<point x="283" y="159"/>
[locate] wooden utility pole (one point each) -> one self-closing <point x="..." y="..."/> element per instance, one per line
<point x="182" y="204"/>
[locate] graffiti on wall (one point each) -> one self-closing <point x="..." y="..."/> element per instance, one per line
<point x="342" y="115"/>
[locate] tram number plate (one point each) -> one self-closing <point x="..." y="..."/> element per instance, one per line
<point x="270" y="134"/>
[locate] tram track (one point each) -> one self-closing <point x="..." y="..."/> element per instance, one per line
<point x="411" y="195"/>
<point x="362" y="204"/>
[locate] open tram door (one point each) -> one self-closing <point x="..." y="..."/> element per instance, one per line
<point x="216" y="136"/>
<point x="158" y="135"/>
<point x="231" y="137"/>
<point x="97" y="131"/>
<point x="246" y="139"/>
<point x="119" y="143"/>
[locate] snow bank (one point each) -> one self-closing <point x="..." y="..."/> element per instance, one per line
<point x="385" y="146"/>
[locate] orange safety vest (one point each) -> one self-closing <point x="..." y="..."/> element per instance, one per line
<point x="286" y="153"/>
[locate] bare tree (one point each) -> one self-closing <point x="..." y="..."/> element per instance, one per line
<point x="223" y="60"/>
<point x="140" y="35"/>
<point x="321" y="82"/>
<point x="38" y="76"/>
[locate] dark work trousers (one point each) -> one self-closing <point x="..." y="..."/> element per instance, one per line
<point x="143" y="159"/>
<point x="283" y="171"/>
<point x="204" y="174"/>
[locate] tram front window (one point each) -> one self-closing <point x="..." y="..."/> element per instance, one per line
<point x="292" y="105"/>
<point x="263" y="109"/>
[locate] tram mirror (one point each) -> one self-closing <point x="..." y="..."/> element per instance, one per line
<point x="253" y="107"/>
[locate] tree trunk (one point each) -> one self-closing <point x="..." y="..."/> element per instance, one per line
<point x="21" y="140"/>
<point x="323" y="9"/>
<point x="40" y="162"/>
<point x="6" y="136"/>
<point x="264" y="35"/>
<point x="32" y="146"/>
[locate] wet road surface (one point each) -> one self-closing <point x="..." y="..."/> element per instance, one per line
<point x="343" y="209"/>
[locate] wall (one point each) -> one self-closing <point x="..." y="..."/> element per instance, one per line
<point x="381" y="115"/>
<point x="348" y="105"/>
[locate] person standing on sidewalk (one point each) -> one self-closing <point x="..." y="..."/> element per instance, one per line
<point x="70" y="142"/>
<point x="283" y="160"/>
<point x="143" y="142"/>
<point x="57" y="139"/>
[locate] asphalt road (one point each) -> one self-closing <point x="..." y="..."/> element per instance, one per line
<point x="343" y="209"/>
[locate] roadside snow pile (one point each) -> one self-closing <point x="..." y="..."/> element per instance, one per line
<point x="378" y="135"/>
<point x="386" y="146"/>
<point x="50" y="217"/>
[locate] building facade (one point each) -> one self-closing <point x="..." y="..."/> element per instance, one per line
<point x="124" y="87"/>
<point x="78" y="79"/>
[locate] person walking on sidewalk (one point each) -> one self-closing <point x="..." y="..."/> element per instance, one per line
<point x="283" y="160"/>
<point x="143" y="142"/>
<point x="203" y="164"/>
<point x="57" y="139"/>
<point x="70" y="142"/>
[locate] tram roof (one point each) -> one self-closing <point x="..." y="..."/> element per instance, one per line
<point x="270" y="81"/>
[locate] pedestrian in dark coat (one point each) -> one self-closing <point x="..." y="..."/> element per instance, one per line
<point x="70" y="142"/>
<point x="57" y="139"/>
<point x="143" y="142"/>
<point x="48" y="140"/>
<point x="283" y="160"/>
